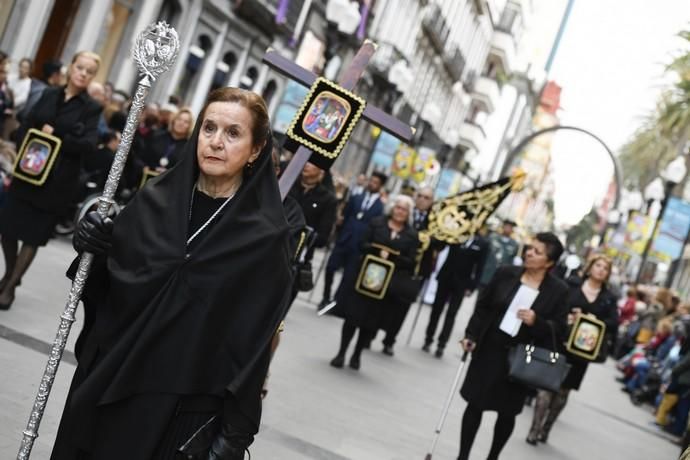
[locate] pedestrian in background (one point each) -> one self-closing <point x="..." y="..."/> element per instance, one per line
<point x="503" y="250"/>
<point x="52" y="77"/>
<point x="6" y="103"/>
<point x="359" y="211"/>
<point x="32" y="211"/>
<point x="589" y="296"/>
<point x="394" y="231"/>
<point x="21" y="83"/>
<point x="457" y="279"/>
<point x="487" y="386"/>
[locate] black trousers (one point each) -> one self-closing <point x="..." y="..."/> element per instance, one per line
<point x="452" y="292"/>
<point x="395" y="317"/>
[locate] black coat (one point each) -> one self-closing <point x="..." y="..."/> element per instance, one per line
<point x="160" y="144"/>
<point x="465" y="263"/>
<point x="605" y="308"/>
<point x="166" y="320"/>
<point x="75" y="122"/>
<point x="365" y="311"/>
<point x="319" y="206"/>
<point x="486" y="385"/>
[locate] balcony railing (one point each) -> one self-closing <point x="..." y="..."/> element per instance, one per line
<point x="503" y="46"/>
<point x="471" y="136"/>
<point x="486" y="91"/>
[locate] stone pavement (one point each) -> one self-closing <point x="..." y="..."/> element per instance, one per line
<point x="387" y="411"/>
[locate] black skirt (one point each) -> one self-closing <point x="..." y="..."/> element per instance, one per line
<point x="576" y="374"/>
<point x="22" y="221"/>
<point x="487" y="386"/>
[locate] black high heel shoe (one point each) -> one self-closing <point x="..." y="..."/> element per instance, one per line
<point x="6" y="306"/>
<point x="338" y="362"/>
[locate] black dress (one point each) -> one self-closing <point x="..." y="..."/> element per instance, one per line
<point x="31" y="211"/>
<point x="176" y="333"/>
<point x="366" y="312"/>
<point x="487" y="386"/>
<point x="605" y="309"/>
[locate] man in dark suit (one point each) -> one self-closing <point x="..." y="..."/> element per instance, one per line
<point x="319" y="206"/>
<point x="359" y="210"/>
<point x="457" y="279"/>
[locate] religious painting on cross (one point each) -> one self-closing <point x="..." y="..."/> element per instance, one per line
<point x="325" y="120"/>
<point x="36" y="157"/>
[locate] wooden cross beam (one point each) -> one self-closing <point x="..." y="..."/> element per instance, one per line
<point x="348" y="81"/>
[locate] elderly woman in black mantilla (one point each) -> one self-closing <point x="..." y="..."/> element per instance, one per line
<point x="487" y="386"/>
<point x="390" y="237"/>
<point x="588" y="296"/>
<point x="32" y="211"/>
<point x="184" y="298"/>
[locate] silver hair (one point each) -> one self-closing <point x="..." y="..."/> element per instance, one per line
<point x="409" y="202"/>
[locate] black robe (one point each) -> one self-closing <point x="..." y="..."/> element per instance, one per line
<point x="605" y="308"/>
<point x="167" y="325"/>
<point x="366" y="312"/>
<point x="487" y="386"/>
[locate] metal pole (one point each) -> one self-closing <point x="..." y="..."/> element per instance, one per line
<point x="657" y="221"/>
<point x="446" y="408"/>
<point x="420" y="304"/>
<point x="559" y="36"/>
<point x="154" y="52"/>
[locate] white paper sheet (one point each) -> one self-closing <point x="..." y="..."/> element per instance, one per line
<point x="524" y="298"/>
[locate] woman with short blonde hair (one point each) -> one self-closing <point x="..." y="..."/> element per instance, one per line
<point x="32" y="211"/>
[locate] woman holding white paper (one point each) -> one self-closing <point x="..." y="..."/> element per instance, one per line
<point x="490" y="334"/>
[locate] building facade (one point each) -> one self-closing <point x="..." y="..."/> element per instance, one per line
<point x="459" y="53"/>
<point x="440" y="63"/>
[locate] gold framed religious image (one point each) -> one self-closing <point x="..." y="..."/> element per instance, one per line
<point x="36" y="157"/>
<point x="586" y="336"/>
<point x="325" y="120"/>
<point x="374" y="276"/>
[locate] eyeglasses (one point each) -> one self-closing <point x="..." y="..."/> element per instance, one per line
<point x="426" y="197"/>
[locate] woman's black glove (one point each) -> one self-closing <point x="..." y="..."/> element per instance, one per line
<point x="229" y="444"/>
<point x="93" y="234"/>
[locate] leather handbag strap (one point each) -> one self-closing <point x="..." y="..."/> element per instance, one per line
<point x="553" y="334"/>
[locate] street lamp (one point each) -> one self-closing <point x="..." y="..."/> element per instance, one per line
<point x="672" y="175"/>
<point x="343" y="17"/>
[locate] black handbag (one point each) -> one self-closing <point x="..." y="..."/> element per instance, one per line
<point x="538" y="367"/>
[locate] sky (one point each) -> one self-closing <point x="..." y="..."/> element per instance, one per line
<point x="610" y="65"/>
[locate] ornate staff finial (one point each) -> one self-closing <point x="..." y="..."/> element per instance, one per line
<point x="155" y="50"/>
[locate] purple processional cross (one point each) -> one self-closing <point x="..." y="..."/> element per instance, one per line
<point x="347" y="82"/>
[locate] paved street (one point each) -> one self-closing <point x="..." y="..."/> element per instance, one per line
<point x="387" y="411"/>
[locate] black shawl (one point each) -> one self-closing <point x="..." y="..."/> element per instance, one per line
<point x="163" y="319"/>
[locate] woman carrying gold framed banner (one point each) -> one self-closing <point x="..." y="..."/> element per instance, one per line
<point x="593" y="315"/>
<point x="388" y="249"/>
<point x="56" y="134"/>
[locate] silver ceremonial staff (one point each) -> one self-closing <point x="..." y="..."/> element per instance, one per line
<point x="154" y="51"/>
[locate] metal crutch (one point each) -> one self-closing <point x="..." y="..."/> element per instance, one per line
<point x="449" y="399"/>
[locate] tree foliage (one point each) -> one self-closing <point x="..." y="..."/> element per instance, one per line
<point x="665" y="130"/>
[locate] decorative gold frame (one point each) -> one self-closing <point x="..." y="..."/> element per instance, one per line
<point x="575" y="350"/>
<point x="53" y="144"/>
<point x="372" y="259"/>
<point x="348" y="124"/>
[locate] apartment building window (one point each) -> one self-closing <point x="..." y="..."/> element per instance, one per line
<point x="511" y="22"/>
<point x="223" y="69"/>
